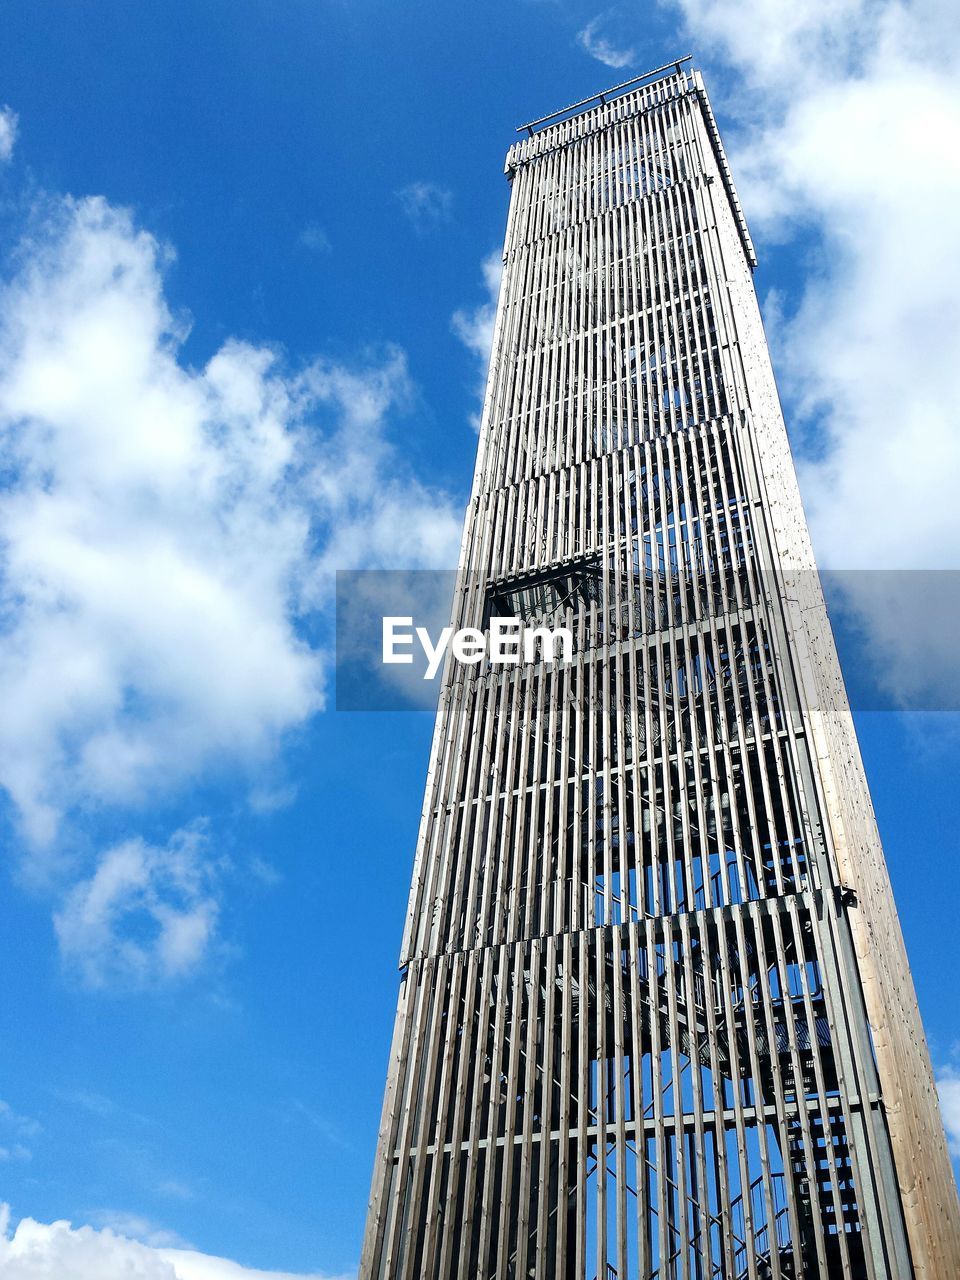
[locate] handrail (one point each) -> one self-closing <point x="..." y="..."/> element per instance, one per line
<point x="601" y="98"/>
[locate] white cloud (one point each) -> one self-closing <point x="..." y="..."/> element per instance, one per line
<point x="376" y="516"/>
<point x="9" y="123"/>
<point x="58" y="1251"/>
<point x="851" y="114"/>
<point x="133" y="1226"/>
<point x="165" y="532"/>
<point x="154" y="535"/>
<point x="88" y="1100"/>
<point x="13" y="1128"/>
<point x="200" y="1266"/>
<point x="948" y="1087"/>
<point x="592" y="40"/>
<point x="25" y="1126"/>
<point x="173" y="1189"/>
<point x="146" y="913"/>
<point x="314" y="237"/>
<point x="475" y="327"/>
<point x="426" y="204"/>
<point x="778" y="46"/>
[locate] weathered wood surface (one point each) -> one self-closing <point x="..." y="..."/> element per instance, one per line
<point x="639" y="1033"/>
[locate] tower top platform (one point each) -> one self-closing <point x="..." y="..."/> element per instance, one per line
<point x="600" y="99"/>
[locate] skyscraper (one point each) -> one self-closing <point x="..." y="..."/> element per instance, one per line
<point x="656" y="1018"/>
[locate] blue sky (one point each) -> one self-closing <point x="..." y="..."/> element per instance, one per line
<point x="206" y="865"/>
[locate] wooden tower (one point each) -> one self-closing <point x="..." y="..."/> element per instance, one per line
<point x="656" y="1018"/>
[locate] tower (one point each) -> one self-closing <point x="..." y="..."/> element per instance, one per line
<point x="656" y="1018"/>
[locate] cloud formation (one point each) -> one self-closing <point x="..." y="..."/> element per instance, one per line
<point x="15" y="1130"/>
<point x="948" y="1088"/>
<point x="145" y="913"/>
<point x="155" y="538"/>
<point x="58" y="1251"/>
<point x="474" y="327"/>
<point x="8" y="133"/>
<point x="600" y="46"/>
<point x="426" y="204"/>
<point x="135" y="1227"/>
<point x="314" y="238"/>
<point x="851" y="135"/>
<point x="167" y="534"/>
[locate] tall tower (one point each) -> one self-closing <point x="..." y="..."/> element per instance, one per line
<point x="656" y="1018"/>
